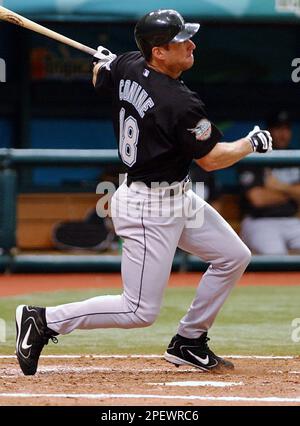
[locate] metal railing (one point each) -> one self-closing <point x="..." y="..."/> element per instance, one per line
<point x="12" y="160"/>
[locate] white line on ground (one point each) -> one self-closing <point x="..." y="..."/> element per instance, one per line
<point x="148" y="396"/>
<point x="150" y="356"/>
<point x="260" y="356"/>
<point x="198" y="383"/>
<point x="58" y="369"/>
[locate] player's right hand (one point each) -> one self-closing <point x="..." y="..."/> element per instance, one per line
<point x="261" y="140"/>
<point x="103" y="56"/>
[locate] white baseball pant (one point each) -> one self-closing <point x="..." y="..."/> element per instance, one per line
<point x="152" y="229"/>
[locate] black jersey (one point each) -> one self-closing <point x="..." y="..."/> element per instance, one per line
<point x="161" y="125"/>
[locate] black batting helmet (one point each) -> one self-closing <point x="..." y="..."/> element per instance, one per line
<point x="162" y="27"/>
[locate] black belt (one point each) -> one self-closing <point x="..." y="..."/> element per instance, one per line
<point x="168" y="192"/>
<point x="130" y="180"/>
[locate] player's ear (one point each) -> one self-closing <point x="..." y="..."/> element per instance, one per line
<point x="158" y="52"/>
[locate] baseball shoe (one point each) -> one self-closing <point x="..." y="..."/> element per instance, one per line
<point x="195" y="352"/>
<point x="32" y="335"/>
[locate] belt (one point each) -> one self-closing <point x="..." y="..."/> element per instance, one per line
<point x="166" y="191"/>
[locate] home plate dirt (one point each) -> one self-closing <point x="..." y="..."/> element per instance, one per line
<point x="146" y="381"/>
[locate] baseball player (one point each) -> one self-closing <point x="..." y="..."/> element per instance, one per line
<point x="161" y="126"/>
<point x="271" y="198"/>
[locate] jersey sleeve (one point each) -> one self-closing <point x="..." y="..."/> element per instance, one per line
<point x="196" y="133"/>
<point x="105" y="78"/>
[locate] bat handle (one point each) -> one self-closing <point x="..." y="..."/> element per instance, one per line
<point x="87" y="49"/>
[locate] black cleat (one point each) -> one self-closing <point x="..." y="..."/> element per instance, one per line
<point x="32" y="335"/>
<point x="195" y="352"/>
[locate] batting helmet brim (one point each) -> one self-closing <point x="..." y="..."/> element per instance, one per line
<point x="188" y="32"/>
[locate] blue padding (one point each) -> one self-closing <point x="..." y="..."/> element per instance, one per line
<point x="76" y="177"/>
<point x="232" y="131"/>
<point x="75" y="134"/>
<point x="5" y="133"/>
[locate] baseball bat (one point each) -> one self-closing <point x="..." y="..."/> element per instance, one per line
<point x="14" y="18"/>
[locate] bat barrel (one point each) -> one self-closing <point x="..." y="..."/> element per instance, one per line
<point x="14" y="18"/>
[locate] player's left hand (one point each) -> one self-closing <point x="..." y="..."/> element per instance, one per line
<point x="103" y="56"/>
<point x="261" y="140"/>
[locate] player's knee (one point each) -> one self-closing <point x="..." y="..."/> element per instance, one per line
<point x="147" y="322"/>
<point x="238" y="258"/>
<point x="145" y="319"/>
<point x="245" y="255"/>
<point x="242" y="257"/>
<point x="135" y="321"/>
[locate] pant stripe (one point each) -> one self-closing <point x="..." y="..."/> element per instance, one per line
<point x="140" y="290"/>
<point x="143" y="267"/>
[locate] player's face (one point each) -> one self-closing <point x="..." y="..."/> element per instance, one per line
<point x="180" y="56"/>
<point x="173" y="58"/>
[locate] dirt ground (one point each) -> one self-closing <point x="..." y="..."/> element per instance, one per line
<point x="88" y="380"/>
<point x="144" y="381"/>
<point x="16" y="284"/>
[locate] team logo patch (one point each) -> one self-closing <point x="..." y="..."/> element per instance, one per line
<point x="202" y="130"/>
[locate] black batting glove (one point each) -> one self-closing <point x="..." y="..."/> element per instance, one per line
<point x="261" y="140"/>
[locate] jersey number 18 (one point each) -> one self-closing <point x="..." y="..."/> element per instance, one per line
<point x="129" y="134"/>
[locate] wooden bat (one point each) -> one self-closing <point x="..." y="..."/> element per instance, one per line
<point x="14" y="18"/>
